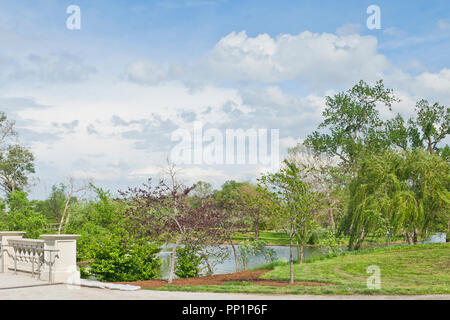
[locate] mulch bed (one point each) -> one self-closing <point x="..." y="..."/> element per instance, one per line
<point x="220" y="279"/>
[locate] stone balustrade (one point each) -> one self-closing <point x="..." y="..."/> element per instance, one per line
<point x="52" y="258"/>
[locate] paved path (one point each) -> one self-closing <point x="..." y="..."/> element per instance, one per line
<point x="38" y="290"/>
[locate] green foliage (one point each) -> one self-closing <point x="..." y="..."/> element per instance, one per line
<point x="188" y="262"/>
<point x="16" y="163"/>
<point x="353" y="122"/>
<point x="118" y="259"/>
<point x="22" y="215"/>
<point x="292" y="203"/>
<point x="252" y="248"/>
<point x="445" y="153"/>
<point x="425" y="131"/>
<point x="431" y="125"/>
<point x="97" y="218"/>
<point x="329" y="241"/>
<point x="398" y="192"/>
<point x="53" y="206"/>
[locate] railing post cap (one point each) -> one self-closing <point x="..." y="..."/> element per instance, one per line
<point x="60" y="236"/>
<point x="12" y="233"/>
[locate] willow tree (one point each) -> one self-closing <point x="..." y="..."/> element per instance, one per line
<point x="398" y="193"/>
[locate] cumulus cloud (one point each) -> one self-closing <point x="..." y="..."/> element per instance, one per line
<point x="311" y="57"/>
<point x="427" y="85"/>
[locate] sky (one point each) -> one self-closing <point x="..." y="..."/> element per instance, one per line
<point x="102" y="102"/>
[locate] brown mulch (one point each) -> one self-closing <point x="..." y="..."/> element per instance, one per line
<point x="220" y="279"/>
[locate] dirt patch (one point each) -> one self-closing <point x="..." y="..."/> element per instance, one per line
<point x="220" y="279"/>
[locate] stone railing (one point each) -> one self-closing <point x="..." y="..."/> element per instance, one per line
<point x="51" y="259"/>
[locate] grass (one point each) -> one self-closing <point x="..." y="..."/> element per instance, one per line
<point x="271" y="237"/>
<point x="419" y="269"/>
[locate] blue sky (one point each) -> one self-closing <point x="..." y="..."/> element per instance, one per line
<point x="102" y="102"/>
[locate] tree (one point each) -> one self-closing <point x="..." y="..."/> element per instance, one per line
<point x="292" y="204"/>
<point x="16" y="163"/>
<point x="22" y="215"/>
<point x="353" y="122"/>
<point x="253" y="205"/>
<point x="229" y="199"/>
<point x="445" y="153"/>
<point x="323" y="176"/>
<point x="425" y="131"/>
<point x="71" y="190"/>
<point x="431" y="126"/>
<point x="398" y="192"/>
<point x="398" y="133"/>
<point x="247" y="201"/>
<point x="164" y="213"/>
<point x="6" y="129"/>
<point x="53" y="206"/>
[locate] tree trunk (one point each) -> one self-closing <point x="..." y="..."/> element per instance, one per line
<point x="300" y="254"/>
<point x="66" y="205"/>
<point x="360" y="240"/>
<point x="416" y="232"/>
<point x="291" y="262"/>
<point x="331" y="217"/>
<point x="409" y="237"/>
<point x="236" y="259"/>
<point x="256" y="231"/>
<point x="208" y="265"/>
<point x="172" y="258"/>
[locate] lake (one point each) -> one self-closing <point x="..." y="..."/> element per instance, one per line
<point x="229" y="266"/>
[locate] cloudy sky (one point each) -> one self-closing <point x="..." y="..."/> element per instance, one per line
<point x="102" y="102"/>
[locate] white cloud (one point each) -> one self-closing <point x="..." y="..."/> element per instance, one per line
<point x="314" y="58"/>
<point x="146" y="73"/>
<point x="427" y="85"/>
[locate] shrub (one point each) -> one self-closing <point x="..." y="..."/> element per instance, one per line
<point x="188" y="262"/>
<point x="115" y="259"/>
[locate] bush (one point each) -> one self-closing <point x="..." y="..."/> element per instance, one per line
<point x="115" y="259"/>
<point x="188" y="262"/>
<point x="22" y="215"/>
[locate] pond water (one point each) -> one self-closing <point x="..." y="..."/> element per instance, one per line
<point x="228" y="265"/>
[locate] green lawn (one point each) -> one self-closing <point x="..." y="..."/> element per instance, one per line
<point x="271" y="237"/>
<point x="420" y="269"/>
